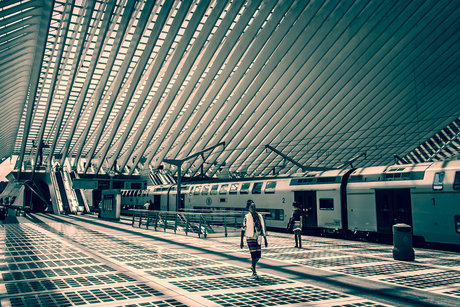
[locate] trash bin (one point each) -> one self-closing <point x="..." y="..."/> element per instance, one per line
<point x="402" y="241"/>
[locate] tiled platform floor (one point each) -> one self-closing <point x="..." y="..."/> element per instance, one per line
<point x="48" y="260"/>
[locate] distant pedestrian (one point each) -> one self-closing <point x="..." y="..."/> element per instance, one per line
<point x="100" y="205"/>
<point x="146" y="205"/>
<point x="253" y="228"/>
<point x="298" y="223"/>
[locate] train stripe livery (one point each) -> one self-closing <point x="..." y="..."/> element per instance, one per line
<point x="363" y="201"/>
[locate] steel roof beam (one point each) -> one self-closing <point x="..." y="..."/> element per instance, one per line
<point x="76" y="62"/>
<point x="191" y="58"/>
<point x="77" y="110"/>
<point x="64" y="28"/>
<point x="271" y="80"/>
<point x="115" y="87"/>
<point x="96" y="98"/>
<point x="247" y="39"/>
<point x="231" y="40"/>
<point x="205" y="60"/>
<point x="175" y="61"/>
<point x="34" y="76"/>
<point x="300" y="119"/>
<point x="137" y="74"/>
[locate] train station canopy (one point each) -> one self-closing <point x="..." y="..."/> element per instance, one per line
<point x="127" y="84"/>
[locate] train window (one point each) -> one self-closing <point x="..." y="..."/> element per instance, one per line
<point x="257" y="188"/>
<point x="272" y="214"/>
<point x="326" y="204"/>
<point x="326" y="179"/>
<point x="233" y="189"/>
<point x="214" y="189"/>
<point x="270" y="187"/>
<point x="245" y="188"/>
<point x="457" y="223"/>
<point x="205" y="190"/>
<point x="438" y="181"/>
<point x="457" y="181"/>
<point x="197" y="190"/>
<point x="223" y="189"/>
<point x="191" y="192"/>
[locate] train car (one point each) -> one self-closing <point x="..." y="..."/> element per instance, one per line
<point x="379" y="197"/>
<point x="421" y="195"/>
<point x="436" y="210"/>
<point x="359" y="202"/>
<point x="134" y="199"/>
<point x="162" y="197"/>
<point x="323" y="201"/>
<point x="272" y="197"/>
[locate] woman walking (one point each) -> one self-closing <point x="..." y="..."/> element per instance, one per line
<point x="298" y="223"/>
<point x="253" y="228"/>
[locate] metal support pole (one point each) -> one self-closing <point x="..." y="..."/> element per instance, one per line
<point x="225" y="223"/>
<point x="165" y="221"/>
<point x="186" y="227"/>
<point x="179" y="177"/>
<point x="175" y="223"/>
<point x="199" y="229"/>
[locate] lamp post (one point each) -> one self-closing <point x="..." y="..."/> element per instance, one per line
<point x="178" y="163"/>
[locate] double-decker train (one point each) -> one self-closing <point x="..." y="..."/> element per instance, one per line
<point x="364" y="201"/>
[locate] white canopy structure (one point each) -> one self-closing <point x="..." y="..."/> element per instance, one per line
<point x="126" y="84"/>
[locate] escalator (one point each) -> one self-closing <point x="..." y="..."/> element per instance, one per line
<point x="61" y="204"/>
<point x="81" y="198"/>
<point x="67" y="199"/>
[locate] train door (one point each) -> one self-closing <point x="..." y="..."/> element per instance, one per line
<point x="307" y="200"/>
<point x="393" y="207"/>
<point x="157" y="202"/>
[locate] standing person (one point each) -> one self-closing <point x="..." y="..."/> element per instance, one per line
<point x="298" y="223"/>
<point x="253" y="228"/>
<point x="146" y="205"/>
<point x="100" y="209"/>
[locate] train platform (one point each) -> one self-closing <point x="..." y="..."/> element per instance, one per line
<point x="49" y="260"/>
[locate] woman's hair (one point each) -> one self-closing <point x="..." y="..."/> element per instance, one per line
<point x="249" y="202"/>
<point x="296" y="204"/>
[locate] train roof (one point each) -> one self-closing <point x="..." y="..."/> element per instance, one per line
<point x="391" y="168"/>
